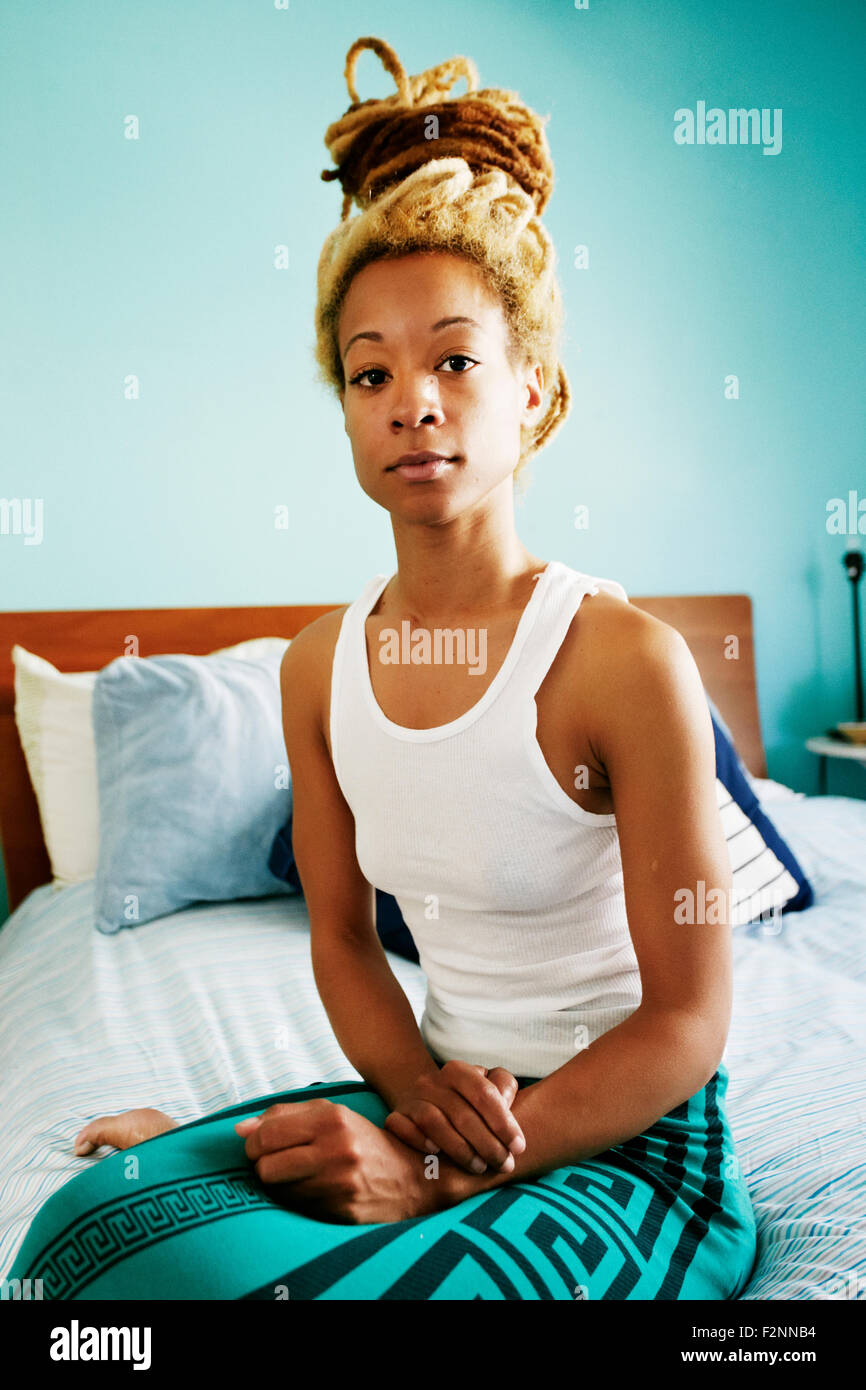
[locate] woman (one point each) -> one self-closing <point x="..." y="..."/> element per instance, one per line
<point x="532" y="776"/>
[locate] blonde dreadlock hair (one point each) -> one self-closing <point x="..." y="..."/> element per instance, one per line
<point x="480" y="197"/>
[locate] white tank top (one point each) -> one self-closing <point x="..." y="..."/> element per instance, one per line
<point x="512" y="892"/>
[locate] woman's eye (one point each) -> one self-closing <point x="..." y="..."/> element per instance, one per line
<point x="379" y="371"/>
<point x="371" y="371"/>
<point x="458" y="357"/>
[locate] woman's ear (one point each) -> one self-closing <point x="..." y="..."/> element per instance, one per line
<point x="534" y="382"/>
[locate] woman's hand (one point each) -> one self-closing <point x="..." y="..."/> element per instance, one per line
<point x="336" y="1165"/>
<point x="464" y="1110"/>
<point x="122" y="1131"/>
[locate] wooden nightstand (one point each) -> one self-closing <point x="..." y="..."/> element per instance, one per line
<point x="833" y="748"/>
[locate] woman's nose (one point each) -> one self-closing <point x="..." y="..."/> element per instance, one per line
<point x="418" y="404"/>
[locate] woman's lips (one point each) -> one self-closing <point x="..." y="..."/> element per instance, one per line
<point x="421" y="472"/>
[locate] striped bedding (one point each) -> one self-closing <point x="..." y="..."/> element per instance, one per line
<point x="217" y="1004"/>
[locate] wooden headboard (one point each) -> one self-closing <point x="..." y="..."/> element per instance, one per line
<point x="88" y="640"/>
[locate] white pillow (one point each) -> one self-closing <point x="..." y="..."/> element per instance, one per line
<point x="53" y="715"/>
<point x="768" y="790"/>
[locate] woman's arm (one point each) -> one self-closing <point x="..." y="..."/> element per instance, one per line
<point x="653" y="732"/>
<point x="371" y="1017"/>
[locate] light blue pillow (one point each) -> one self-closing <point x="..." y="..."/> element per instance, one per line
<point x="193" y="781"/>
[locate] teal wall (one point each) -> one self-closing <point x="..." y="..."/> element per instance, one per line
<point x="156" y="257"/>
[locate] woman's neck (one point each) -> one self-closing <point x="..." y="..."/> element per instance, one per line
<point x="438" y="592"/>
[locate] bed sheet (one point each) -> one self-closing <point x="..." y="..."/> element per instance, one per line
<point x="796" y="1054"/>
<point x="217" y="1004"/>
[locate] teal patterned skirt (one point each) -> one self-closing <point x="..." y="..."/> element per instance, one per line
<point x="666" y="1215"/>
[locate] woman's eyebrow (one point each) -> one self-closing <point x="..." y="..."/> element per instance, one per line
<point x="434" y="328"/>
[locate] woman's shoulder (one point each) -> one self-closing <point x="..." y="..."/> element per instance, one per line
<point x="309" y="658"/>
<point x="316" y="640"/>
<point x="307" y="662"/>
<point x="609" y="635"/>
<point x="617" y="661"/>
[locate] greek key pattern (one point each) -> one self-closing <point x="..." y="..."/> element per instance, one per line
<point x="628" y="1224"/>
<point x="600" y="1226"/>
<point x="538" y="1242"/>
<point x="107" y="1234"/>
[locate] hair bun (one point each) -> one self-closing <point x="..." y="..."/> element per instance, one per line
<point x="378" y="143"/>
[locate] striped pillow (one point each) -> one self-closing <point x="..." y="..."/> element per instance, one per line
<point x="767" y="879"/>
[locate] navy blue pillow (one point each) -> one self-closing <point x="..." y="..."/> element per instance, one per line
<point x="393" y="932"/>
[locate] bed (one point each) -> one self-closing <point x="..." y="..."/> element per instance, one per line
<point x="217" y="1004"/>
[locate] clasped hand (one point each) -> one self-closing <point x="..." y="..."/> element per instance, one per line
<point x="338" y="1165"/>
<point x="463" y="1110"/>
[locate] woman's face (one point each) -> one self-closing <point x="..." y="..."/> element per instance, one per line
<point x="415" y="381"/>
